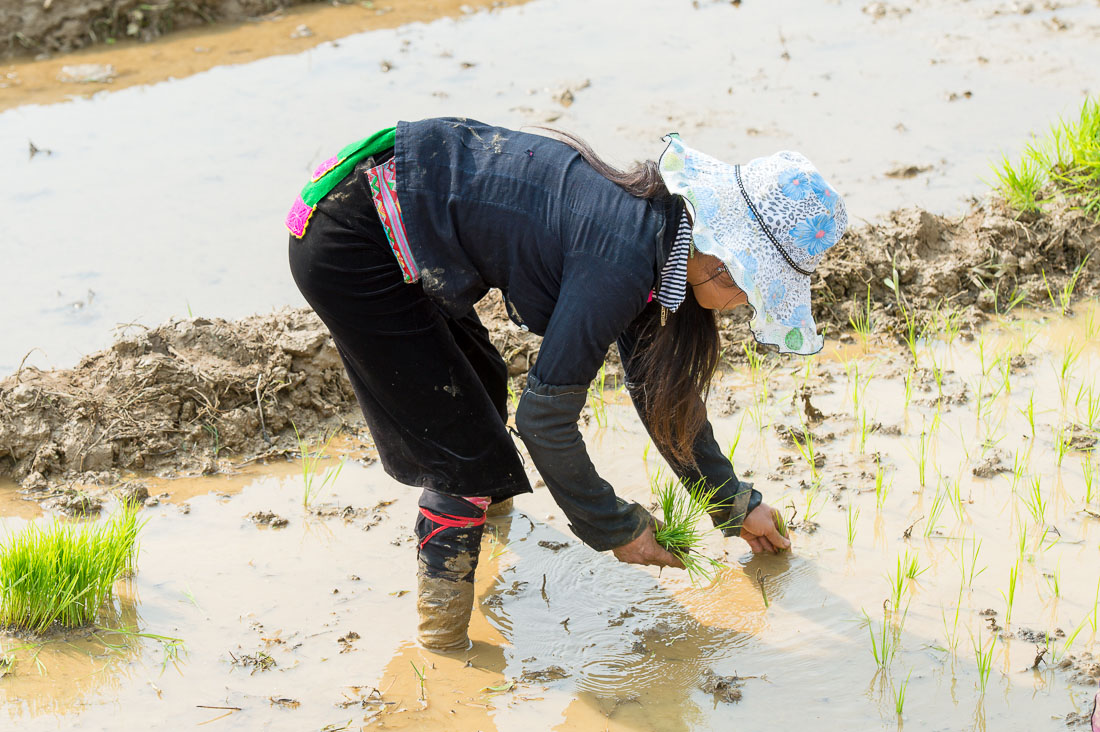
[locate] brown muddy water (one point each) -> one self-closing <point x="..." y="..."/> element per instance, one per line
<point x="312" y="625"/>
<point x="163" y="199"/>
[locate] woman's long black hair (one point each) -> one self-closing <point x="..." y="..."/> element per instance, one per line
<point x="677" y="359"/>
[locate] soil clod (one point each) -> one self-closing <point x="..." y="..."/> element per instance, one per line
<point x="724" y="688"/>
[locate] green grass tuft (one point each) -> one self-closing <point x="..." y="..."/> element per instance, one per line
<point x="64" y="572"/>
<point x="1068" y="157"/>
<point x="686" y="518"/>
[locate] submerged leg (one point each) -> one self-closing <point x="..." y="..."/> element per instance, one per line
<point x="448" y="532"/>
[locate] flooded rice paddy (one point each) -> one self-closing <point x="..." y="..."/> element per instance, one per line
<point x="311" y="624"/>
<point x="174" y="192"/>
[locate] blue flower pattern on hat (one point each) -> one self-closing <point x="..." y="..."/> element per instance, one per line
<point x="823" y="191"/>
<point x="800" y="317"/>
<point x="815" y="234"/>
<point x="794" y="184"/>
<point x="776" y="292"/>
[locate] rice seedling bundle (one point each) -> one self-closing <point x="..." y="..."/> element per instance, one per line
<point x="686" y="517"/>
<point x="64" y="572"/>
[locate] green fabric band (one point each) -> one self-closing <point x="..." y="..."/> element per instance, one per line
<point x="343" y="163"/>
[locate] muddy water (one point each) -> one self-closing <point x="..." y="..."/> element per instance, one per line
<point x="566" y="638"/>
<point x="163" y="199"/>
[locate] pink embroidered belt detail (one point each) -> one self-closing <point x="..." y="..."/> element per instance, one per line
<point x="383" y="186"/>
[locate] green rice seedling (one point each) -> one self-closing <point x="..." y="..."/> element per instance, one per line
<point x="1020" y="184"/>
<point x="683" y="530"/>
<point x="1034" y="502"/>
<point x="922" y="456"/>
<point x="212" y="430"/>
<point x="1092" y="413"/>
<point x="1056" y="654"/>
<point x="649" y="444"/>
<point x="908" y="387"/>
<point x="982" y="355"/>
<point x="1065" y="295"/>
<point x="420" y="677"/>
<point x="755" y="359"/>
<point x="806" y="450"/>
<point x="1088" y="470"/>
<point x="950" y="321"/>
<point x="864" y="430"/>
<point x="899" y="695"/>
<point x="173" y="648"/>
<point x="913" y="334"/>
<point x="1029" y="413"/>
<point x="883" y="644"/>
<point x="955" y="494"/>
<point x="1061" y="443"/>
<point x="911" y="566"/>
<point x="65" y="572"/>
<point x="736" y="440"/>
<point x="311" y="461"/>
<point x="759" y="409"/>
<point x="937" y="374"/>
<point x="975" y="550"/>
<point x="781" y="524"/>
<point x="1019" y="466"/>
<point x="1092" y="324"/>
<point x="513" y="396"/>
<point x="938" y="503"/>
<point x="1010" y="595"/>
<point x="1054" y="581"/>
<point x="860" y="318"/>
<point x="853" y="517"/>
<point x="952" y="633"/>
<point x="983" y="657"/>
<point x="1065" y="370"/>
<point x="596" y="396"/>
<point x="1006" y="374"/>
<point x="812" y="494"/>
<point x="882" y="487"/>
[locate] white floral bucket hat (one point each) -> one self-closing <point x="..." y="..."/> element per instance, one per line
<point x="770" y="222"/>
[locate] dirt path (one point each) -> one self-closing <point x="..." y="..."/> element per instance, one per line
<point x="225" y="32"/>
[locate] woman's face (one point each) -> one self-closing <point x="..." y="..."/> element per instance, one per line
<point x="712" y="285"/>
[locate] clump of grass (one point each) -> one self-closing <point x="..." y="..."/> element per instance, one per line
<point x="1021" y="183"/>
<point x="1069" y="158"/>
<point x="853" y="518"/>
<point x="64" y="572"/>
<point x="683" y="530"/>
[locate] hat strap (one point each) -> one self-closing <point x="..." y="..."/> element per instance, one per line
<point x="760" y="221"/>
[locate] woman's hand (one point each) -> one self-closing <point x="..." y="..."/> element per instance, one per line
<point x="760" y="531"/>
<point x="646" y="550"/>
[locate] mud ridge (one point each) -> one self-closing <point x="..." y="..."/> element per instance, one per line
<point x="29" y="27"/>
<point x="191" y="394"/>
